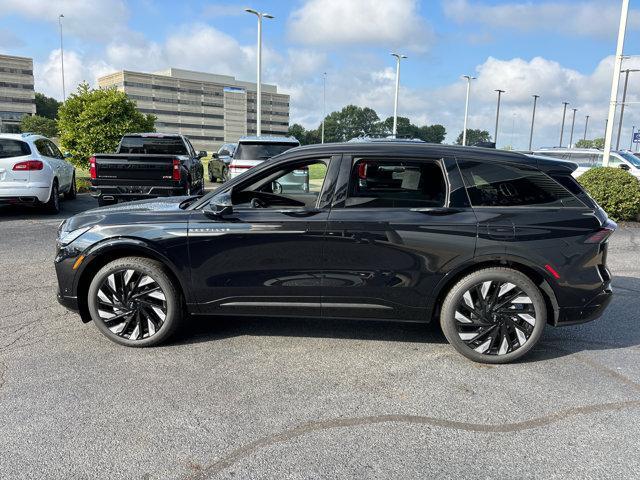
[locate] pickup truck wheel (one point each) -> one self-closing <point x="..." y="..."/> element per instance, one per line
<point x="53" y="204"/>
<point x="105" y="203"/>
<point x="134" y="302"/>
<point x="73" y="190"/>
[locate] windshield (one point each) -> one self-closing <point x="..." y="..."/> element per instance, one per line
<point x="631" y="158"/>
<point x="261" y="151"/>
<point x="153" y="145"/>
<point x="13" y="148"/>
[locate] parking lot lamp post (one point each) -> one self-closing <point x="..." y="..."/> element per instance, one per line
<point x="399" y="57"/>
<point x="586" y="125"/>
<point x="573" y="124"/>
<point x="495" y="137"/>
<point x="615" y="82"/>
<point x="633" y="132"/>
<point x="324" y="102"/>
<point x="533" y="119"/>
<point x="466" y="109"/>
<point x="260" y="16"/>
<point x="64" y="93"/>
<point x="564" y="114"/>
<point x="624" y="100"/>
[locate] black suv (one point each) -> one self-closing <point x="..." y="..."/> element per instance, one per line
<point x="492" y="244"/>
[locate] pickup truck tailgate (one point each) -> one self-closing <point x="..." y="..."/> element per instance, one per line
<point x="123" y="169"/>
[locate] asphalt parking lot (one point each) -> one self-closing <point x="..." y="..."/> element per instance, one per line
<point x="257" y="398"/>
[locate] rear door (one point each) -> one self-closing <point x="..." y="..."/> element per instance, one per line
<point x="396" y="227"/>
<point x="13" y="151"/>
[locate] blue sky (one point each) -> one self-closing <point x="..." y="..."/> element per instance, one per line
<point x="560" y="50"/>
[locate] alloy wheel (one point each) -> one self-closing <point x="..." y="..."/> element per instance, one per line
<point x="131" y="304"/>
<point x="495" y="317"/>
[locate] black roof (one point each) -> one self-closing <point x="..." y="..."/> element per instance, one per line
<point x="409" y="148"/>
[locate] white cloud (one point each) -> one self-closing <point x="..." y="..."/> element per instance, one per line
<point x="392" y="24"/>
<point x="89" y="20"/>
<point x="598" y="18"/>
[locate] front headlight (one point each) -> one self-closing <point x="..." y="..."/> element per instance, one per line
<point x="67" y="237"/>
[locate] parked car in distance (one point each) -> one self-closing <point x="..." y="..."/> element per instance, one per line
<point x="588" y="158"/>
<point x="218" y="167"/>
<point x="494" y="245"/>
<point x="252" y="151"/>
<point x="33" y="171"/>
<point x="147" y="165"/>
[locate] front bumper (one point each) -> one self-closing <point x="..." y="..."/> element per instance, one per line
<point x="70" y="303"/>
<point x="591" y="311"/>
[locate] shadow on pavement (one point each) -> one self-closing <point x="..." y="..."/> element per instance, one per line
<point x="68" y="208"/>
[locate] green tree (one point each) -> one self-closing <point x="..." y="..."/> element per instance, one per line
<point x="40" y="125"/>
<point x="474" y="136"/>
<point x="352" y="121"/>
<point x="298" y="131"/>
<point x="92" y="121"/>
<point x="432" y="133"/>
<point x="47" y="106"/>
<point x="596" y="143"/>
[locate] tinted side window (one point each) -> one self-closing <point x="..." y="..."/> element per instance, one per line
<point x="43" y="148"/>
<point x="509" y="185"/>
<point x="54" y="150"/>
<point x="396" y="184"/>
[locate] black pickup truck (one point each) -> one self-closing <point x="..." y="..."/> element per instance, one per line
<point x="147" y="165"/>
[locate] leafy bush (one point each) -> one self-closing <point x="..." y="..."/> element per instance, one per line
<point x="39" y="125"/>
<point x="615" y="190"/>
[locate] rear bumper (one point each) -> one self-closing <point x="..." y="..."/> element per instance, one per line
<point x="136" y="192"/>
<point x="24" y="194"/>
<point x="591" y="311"/>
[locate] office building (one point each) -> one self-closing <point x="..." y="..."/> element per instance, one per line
<point x="17" y="96"/>
<point x="210" y="109"/>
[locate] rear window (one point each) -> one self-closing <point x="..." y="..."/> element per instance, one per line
<point x="510" y="185"/>
<point x="261" y="151"/>
<point x="396" y="184"/>
<point x="153" y="145"/>
<point x="13" y="148"/>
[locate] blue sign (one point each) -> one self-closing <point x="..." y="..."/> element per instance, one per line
<point x="636" y="137"/>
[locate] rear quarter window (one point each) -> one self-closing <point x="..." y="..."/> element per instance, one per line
<point x="494" y="184"/>
<point x="13" y="148"/>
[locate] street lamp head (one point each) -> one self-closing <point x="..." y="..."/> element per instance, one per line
<point x="535" y="96"/>
<point x="398" y="55"/>
<point x="251" y="10"/>
<point x="267" y="15"/>
<point x="499" y="91"/>
<point x="469" y="77"/>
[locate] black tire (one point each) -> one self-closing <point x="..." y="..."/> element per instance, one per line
<point x="212" y="179"/>
<point x="494" y="315"/>
<point x="53" y="204"/>
<point x="73" y="189"/>
<point x="105" y="203"/>
<point x="135" y="301"/>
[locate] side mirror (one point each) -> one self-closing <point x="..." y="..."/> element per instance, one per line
<point x="221" y="205"/>
<point x="67" y="155"/>
<point x="624" y="166"/>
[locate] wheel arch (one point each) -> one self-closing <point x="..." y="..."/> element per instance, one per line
<point x="539" y="276"/>
<point x="111" y="250"/>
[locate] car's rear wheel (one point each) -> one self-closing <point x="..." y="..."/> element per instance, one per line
<point x="494" y="315"/>
<point x="73" y="189"/>
<point x="134" y="302"/>
<point x="52" y="205"/>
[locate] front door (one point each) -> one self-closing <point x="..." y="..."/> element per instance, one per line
<point x="396" y="226"/>
<point x="265" y="257"/>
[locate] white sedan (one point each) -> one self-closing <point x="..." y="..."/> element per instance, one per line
<point x="33" y="171"/>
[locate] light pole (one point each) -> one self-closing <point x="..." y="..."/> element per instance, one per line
<point x="399" y="57"/>
<point x="573" y="124"/>
<point x="324" y="102"/>
<point x="260" y="16"/>
<point x="466" y="109"/>
<point x="495" y="137"/>
<point x="624" y="99"/>
<point x="615" y="81"/>
<point x="533" y="119"/>
<point x="564" y="114"/>
<point x="633" y="132"/>
<point x="64" y="93"/>
<point x="606" y="126"/>
<point x="586" y="125"/>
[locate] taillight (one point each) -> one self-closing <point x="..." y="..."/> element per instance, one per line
<point x="599" y="236"/>
<point x="175" y="176"/>
<point x="28" y="165"/>
<point x="362" y="171"/>
<point x="92" y="167"/>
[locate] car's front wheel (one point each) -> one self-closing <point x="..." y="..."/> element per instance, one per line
<point x="494" y="315"/>
<point x="134" y="302"/>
